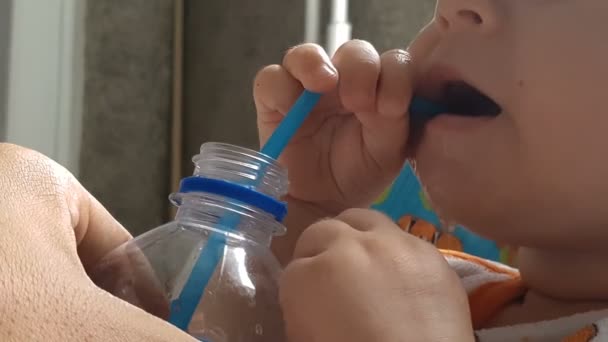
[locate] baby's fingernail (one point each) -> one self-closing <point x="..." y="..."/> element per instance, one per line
<point x="328" y="70"/>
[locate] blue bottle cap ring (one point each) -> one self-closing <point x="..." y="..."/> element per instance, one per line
<point x="243" y="194"/>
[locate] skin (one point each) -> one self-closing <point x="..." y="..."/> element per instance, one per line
<point x="532" y="176"/>
<point x="53" y="231"/>
<point x="533" y="171"/>
<point x="345" y="154"/>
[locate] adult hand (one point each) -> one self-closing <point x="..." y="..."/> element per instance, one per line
<point x="53" y="231"/>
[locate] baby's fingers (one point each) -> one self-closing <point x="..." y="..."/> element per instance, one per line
<point x="277" y="87"/>
<point x="310" y="65"/>
<point x="395" y="85"/>
<point x="274" y="92"/>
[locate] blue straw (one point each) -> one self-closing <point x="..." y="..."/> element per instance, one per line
<point x="183" y="308"/>
<point x="290" y="124"/>
<point x="423" y="110"/>
<point x="420" y="109"/>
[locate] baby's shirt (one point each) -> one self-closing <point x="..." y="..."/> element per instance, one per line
<point x="492" y="287"/>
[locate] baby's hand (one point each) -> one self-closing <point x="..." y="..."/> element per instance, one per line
<point x="353" y="144"/>
<point x="359" y="278"/>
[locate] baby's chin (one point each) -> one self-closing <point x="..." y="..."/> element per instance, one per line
<point x="456" y="206"/>
<point x="466" y="190"/>
<point x="447" y="222"/>
<point x="494" y="220"/>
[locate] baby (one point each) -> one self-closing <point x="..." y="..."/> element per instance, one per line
<point x="518" y="159"/>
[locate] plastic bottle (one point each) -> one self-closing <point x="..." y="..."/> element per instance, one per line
<point x="234" y="194"/>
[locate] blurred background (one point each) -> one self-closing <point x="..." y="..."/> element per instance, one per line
<point x="123" y="92"/>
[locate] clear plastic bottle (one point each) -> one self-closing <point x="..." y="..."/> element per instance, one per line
<point x="228" y="213"/>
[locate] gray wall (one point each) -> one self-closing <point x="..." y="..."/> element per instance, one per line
<point x="5" y="25"/>
<point x="226" y="42"/>
<point x="125" y="148"/>
<point x="127" y="97"/>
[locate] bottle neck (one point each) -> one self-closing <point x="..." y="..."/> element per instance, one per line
<point x="241" y="166"/>
<point x="225" y="216"/>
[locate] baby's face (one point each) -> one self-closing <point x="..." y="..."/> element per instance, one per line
<point x="526" y="161"/>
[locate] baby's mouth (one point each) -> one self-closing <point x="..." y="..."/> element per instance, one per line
<point x="462" y="99"/>
<point x="458" y="99"/>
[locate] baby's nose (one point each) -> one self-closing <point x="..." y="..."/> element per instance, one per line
<point x="480" y="15"/>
